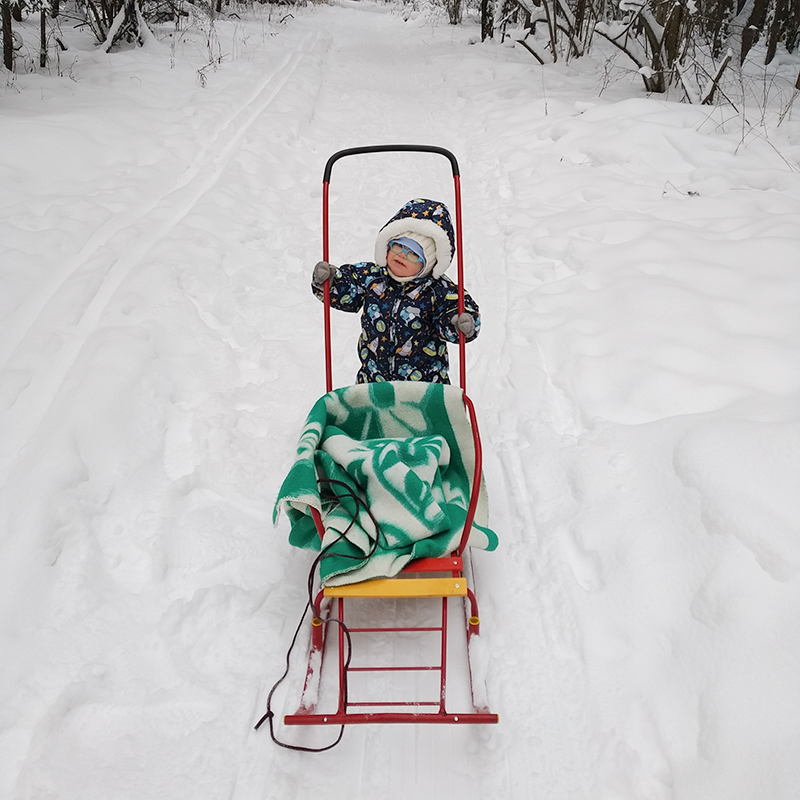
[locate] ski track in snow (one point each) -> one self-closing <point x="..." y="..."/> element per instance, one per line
<point x="129" y="239"/>
<point x="155" y="383"/>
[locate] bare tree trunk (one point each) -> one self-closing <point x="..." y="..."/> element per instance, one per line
<point x="707" y="97"/>
<point x="773" y="37"/>
<point x="655" y="38"/>
<point x="755" y="25"/>
<point x="672" y="34"/>
<point x="713" y="22"/>
<point x="454" y="11"/>
<point x="8" y="39"/>
<point x="552" y="30"/>
<point x="43" y="35"/>
<point x="743" y="28"/>
<point x="487" y="19"/>
<point x="128" y="24"/>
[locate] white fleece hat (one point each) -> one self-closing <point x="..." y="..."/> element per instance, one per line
<point x="420" y="217"/>
<point x="427" y="248"/>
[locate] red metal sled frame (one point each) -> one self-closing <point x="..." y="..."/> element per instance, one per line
<point x="457" y="585"/>
<point x="326" y="180"/>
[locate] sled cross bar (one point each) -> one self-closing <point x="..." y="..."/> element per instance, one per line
<point x="393" y="587"/>
<point x="446" y="564"/>
<point x="344" y="718"/>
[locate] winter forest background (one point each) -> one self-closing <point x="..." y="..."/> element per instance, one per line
<point x="631" y="195"/>
<point x="690" y="44"/>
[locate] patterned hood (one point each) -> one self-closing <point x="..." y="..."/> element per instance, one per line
<point x="426" y="217"/>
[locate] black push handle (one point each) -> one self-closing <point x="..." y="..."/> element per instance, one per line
<point x="390" y="148"/>
<point x="326" y="179"/>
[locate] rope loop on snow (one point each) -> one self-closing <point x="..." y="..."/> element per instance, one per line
<point x="269" y="716"/>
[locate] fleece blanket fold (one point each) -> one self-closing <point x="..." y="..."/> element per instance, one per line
<point x="389" y="467"/>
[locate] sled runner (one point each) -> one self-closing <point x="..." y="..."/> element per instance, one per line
<point x="379" y="467"/>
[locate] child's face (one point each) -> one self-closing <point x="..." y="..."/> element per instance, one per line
<point x="400" y="266"/>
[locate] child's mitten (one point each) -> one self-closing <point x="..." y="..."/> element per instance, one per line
<point x="464" y="323"/>
<point x="322" y="271"/>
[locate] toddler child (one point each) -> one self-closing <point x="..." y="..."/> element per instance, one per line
<point x="410" y="308"/>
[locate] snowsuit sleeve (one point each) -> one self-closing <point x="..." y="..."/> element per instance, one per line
<point x="447" y="308"/>
<point x="347" y="287"/>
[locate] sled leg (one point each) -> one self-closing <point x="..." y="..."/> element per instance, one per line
<point x="308" y="700"/>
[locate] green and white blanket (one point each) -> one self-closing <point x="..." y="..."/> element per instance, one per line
<point x="406" y="450"/>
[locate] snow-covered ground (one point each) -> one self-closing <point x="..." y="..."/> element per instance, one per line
<point x="637" y="382"/>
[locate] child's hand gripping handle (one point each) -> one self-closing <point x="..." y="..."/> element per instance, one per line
<point x="322" y="272"/>
<point x="464" y="322"/>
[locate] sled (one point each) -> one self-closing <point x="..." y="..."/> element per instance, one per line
<point x="446" y="580"/>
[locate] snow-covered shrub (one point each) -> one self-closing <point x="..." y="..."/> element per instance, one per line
<point x="552" y="29"/>
<point x="683" y="43"/>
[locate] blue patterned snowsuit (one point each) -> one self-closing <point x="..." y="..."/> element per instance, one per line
<point x="405" y="327"/>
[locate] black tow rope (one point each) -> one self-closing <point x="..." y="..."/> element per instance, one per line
<point x="270" y="716"/>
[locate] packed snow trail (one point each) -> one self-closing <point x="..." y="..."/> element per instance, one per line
<point x="636" y="383"/>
